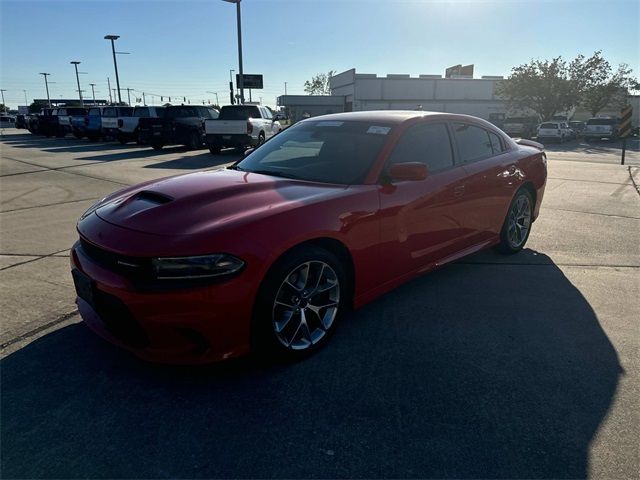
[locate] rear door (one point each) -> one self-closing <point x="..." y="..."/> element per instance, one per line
<point x="492" y="177"/>
<point x="421" y="221"/>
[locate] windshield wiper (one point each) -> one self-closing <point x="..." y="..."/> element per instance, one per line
<point x="235" y="167"/>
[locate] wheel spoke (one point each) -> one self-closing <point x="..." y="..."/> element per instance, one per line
<point x="287" y="316"/>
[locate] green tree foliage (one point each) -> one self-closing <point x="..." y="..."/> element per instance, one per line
<point x="3" y="108"/>
<point x="36" y="107"/>
<point x="600" y="85"/>
<point x="552" y="86"/>
<point x="319" y="84"/>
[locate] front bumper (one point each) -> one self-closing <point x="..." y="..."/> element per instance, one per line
<point x="195" y="325"/>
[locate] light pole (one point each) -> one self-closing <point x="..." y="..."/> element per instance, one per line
<point x="93" y="93"/>
<point x="26" y="102"/>
<point x="216" y="94"/>
<point x="109" y="90"/>
<point x="115" y="63"/>
<point x="239" y="21"/>
<point x="285" y="87"/>
<point x="46" y="84"/>
<point x="75" y="64"/>
<point x="2" y="90"/>
<point x="129" y="96"/>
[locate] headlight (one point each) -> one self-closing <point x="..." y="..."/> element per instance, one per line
<point x="203" y="266"/>
<point x="92" y="208"/>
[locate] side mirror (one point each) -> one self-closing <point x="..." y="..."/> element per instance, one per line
<point x="248" y="151"/>
<point x="409" y="171"/>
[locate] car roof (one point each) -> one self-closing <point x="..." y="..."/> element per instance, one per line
<point x="387" y="116"/>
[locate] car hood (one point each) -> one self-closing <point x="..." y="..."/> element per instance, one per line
<point x="200" y="202"/>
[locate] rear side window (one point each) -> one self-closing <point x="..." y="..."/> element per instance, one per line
<point x="62" y="111"/>
<point x="142" y="112"/>
<point x="94" y="112"/>
<point x="125" y="112"/>
<point x="473" y="142"/>
<point x="496" y="143"/>
<point x="109" y="112"/>
<point x="239" y="112"/>
<point x="426" y="143"/>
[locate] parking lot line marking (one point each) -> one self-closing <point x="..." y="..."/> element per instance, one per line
<point x="586" y="181"/>
<point x="39" y="329"/>
<point x="591" y="213"/>
<point x="49" y="205"/>
<point x="33" y="260"/>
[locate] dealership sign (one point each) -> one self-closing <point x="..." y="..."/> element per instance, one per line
<point x="250" y="81"/>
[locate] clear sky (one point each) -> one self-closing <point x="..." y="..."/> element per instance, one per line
<point x="186" y="47"/>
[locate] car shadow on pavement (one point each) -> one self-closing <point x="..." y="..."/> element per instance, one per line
<point x="476" y="370"/>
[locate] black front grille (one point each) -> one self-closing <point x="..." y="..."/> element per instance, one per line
<point x="135" y="268"/>
<point x="118" y="320"/>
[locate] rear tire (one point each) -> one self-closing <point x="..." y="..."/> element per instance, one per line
<point x="156" y="146"/>
<point x="122" y="139"/>
<point x="517" y="224"/>
<point x="195" y="141"/>
<point x="261" y="139"/>
<point x="299" y="305"/>
<point x="215" y="149"/>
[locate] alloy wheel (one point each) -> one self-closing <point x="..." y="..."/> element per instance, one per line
<point x="519" y="221"/>
<point x="306" y="305"/>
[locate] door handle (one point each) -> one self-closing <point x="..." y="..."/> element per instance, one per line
<point x="458" y="191"/>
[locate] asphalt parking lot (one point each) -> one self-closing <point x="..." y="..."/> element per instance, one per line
<point x="514" y="367"/>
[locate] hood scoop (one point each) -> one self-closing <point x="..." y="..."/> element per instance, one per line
<point x="152" y="197"/>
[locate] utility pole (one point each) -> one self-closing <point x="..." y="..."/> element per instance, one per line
<point x="231" y="86"/>
<point x="109" y="85"/>
<point x="75" y="64"/>
<point x="93" y="92"/>
<point x="144" y="100"/>
<point x="2" y="90"/>
<point x="114" y="95"/>
<point x="285" y="87"/>
<point x="26" y="102"/>
<point x="129" y="95"/>
<point x="46" y="84"/>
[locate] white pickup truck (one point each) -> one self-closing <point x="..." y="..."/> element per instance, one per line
<point x="110" y="117"/>
<point x="240" y="126"/>
<point x="128" y="126"/>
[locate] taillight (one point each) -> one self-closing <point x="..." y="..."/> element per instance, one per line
<point x="120" y="123"/>
<point x="249" y="127"/>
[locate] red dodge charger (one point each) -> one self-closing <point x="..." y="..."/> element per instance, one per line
<point x="326" y="216"/>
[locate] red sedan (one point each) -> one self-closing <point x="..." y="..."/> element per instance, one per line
<point x="324" y="217"/>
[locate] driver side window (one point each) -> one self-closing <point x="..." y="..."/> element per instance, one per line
<point x="426" y="143"/>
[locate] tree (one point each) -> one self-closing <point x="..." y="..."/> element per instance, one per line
<point x="599" y="85"/>
<point x="544" y="86"/>
<point x="3" y="108"/>
<point x="319" y="84"/>
<point x="36" y="107"/>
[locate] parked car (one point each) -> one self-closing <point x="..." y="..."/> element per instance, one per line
<point x="128" y="125"/>
<point x="180" y="124"/>
<point x="328" y="215"/>
<point x="601" y="127"/>
<point x="577" y="127"/>
<point x="558" y="131"/>
<point x="110" y="117"/>
<point x="21" y="121"/>
<point x="240" y="126"/>
<point x="93" y="123"/>
<point x="48" y="122"/>
<point x="7" y="121"/>
<point x="65" y="115"/>
<point x="523" y="127"/>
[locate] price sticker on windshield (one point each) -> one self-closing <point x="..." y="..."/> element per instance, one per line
<point x="379" y="130"/>
<point x="329" y="124"/>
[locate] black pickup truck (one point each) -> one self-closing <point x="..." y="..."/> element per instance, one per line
<point x="178" y="125"/>
<point x="48" y="122"/>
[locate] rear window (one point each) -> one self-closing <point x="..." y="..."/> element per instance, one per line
<point x="549" y="125"/>
<point x="142" y="112"/>
<point x="180" y="112"/>
<point x="239" y="113"/>
<point x="125" y="111"/>
<point x="602" y="121"/>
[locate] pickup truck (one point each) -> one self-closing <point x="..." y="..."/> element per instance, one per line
<point x="48" y="122"/>
<point x="601" y="127"/>
<point x="110" y="117"/>
<point x="180" y="124"/>
<point x="128" y="125"/>
<point x="240" y="126"/>
<point x="523" y="127"/>
<point x="64" y="119"/>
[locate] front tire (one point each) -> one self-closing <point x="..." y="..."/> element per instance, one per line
<point x="300" y="302"/>
<point x="517" y="225"/>
<point x="195" y="141"/>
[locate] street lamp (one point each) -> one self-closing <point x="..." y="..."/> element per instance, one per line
<point x="46" y="84"/>
<point x="26" y="102"/>
<point x="115" y="64"/>
<point x="75" y="64"/>
<point x="93" y="92"/>
<point x="216" y="94"/>
<point x="241" y="79"/>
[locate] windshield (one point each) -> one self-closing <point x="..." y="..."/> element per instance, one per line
<point x="321" y="151"/>
<point x="239" y="113"/>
